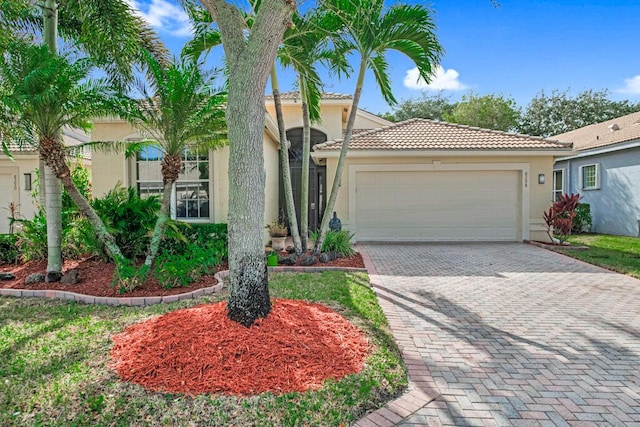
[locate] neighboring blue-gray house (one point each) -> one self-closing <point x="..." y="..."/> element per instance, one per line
<point x="605" y="169"/>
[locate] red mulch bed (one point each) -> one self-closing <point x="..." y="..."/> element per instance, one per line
<point x="95" y="278"/>
<point x="199" y="350"/>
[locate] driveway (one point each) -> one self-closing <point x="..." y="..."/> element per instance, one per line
<point x="508" y="334"/>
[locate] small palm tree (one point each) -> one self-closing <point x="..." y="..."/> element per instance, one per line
<point x="180" y="110"/>
<point x="42" y="94"/>
<point x="366" y="28"/>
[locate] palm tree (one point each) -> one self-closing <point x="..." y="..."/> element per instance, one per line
<point x="43" y="93"/>
<point x="366" y="28"/>
<point x="180" y="112"/>
<point x="115" y="39"/>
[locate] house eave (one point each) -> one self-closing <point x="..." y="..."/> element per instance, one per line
<point x="601" y="150"/>
<point x="443" y="153"/>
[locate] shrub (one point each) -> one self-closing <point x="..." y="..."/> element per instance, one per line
<point x="336" y="241"/>
<point x="583" y="220"/>
<point x="129" y="218"/>
<point x="181" y="270"/>
<point x="180" y="235"/>
<point x="33" y="237"/>
<point x="9" y="250"/>
<point x="560" y="216"/>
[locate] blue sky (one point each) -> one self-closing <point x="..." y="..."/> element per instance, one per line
<point x="516" y="49"/>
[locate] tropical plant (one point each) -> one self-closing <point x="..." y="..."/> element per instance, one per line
<point x="583" y="220"/>
<point x="129" y="218"/>
<point x="368" y="29"/>
<point x="336" y="241"/>
<point x="560" y="216"/>
<point x="9" y="249"/>
<point x="277" y="228"/>
<point x="249" y="56"/>
<point x="110" y="33"/>
<point x="173" y="271"/>
<point x="180" y="111"/>
<point x="46" y="93"/>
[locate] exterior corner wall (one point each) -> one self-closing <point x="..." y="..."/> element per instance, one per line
<point x="615" y="206"/>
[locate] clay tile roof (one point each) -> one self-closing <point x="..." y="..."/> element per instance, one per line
<point x="621" y="129"/>
<point x="325" y="95"/>
<point x="423" y="134"/>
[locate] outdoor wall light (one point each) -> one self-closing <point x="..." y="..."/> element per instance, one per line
<point x="27" y="182"/>
<point x="540" y="178"/>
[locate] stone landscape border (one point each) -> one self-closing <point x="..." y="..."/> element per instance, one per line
<point x="144" y="301"/>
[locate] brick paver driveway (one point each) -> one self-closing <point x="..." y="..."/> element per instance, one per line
<point x="510" y="335"/>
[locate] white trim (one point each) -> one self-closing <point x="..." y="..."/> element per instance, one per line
<point x="564" y="186"/>
<point x="431" y="167"/>
<point x="602" y="150"/>
<point x="435" y="153"/>
<point x="581" y="177"/>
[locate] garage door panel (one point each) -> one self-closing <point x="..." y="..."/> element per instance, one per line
<point x="437" y="206"/>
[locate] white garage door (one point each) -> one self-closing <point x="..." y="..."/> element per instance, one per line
<point x="6" y="196"/>
<point x="437" y="205"/>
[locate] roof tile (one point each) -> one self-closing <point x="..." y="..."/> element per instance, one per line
<point x="614" y="131"/>
<point x="423" y="134"/>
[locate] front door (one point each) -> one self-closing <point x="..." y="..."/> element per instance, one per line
<point x="317" y="179"/>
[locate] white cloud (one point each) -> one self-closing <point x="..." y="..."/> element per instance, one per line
<point x="164" y="16"/>
<point x="631" y="86"/>
<point x="442" y="80"/>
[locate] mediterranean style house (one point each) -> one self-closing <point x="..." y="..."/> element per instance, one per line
<point x="18" y="177"/>
<point x="418" y="180"/>
<point x="604" y="169"/>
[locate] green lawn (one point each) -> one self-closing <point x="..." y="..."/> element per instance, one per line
<point x="54" y="366"/>
<point x="617" y="253"/>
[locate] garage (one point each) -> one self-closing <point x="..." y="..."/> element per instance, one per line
<point x="427" y="180"/>
<point x="437" y="205"/>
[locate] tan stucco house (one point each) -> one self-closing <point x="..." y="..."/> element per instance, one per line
<point x="18" y="176"/>
<point x="417" y="180"/>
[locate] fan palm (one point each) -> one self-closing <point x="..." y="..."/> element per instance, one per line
<point x="42" y="94"/>
<point x="179" y="111"/>
<point x="367" y="29"/>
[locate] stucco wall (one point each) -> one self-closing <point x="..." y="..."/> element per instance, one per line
<point x="109" y="168"/>
<point x="331" y="123"/>
<point x="539" y="194"/>
<point x="615" y="207"/>
<point x="27" y="205"/>
<point x="20" y="196"/>
<point x="364" y="121"/>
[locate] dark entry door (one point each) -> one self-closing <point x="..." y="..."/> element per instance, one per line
<point x="317" y="179"/>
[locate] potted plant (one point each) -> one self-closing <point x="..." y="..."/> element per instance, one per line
<point x="278" y="232"/>
<point x="272" y="259"/>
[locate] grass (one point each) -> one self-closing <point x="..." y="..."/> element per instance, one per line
<point x="616" y="253"/>
<point x="54" y="366"/>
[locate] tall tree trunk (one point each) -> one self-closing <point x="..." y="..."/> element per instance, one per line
<point x="284" y="165"/>
<point x="52" y="190"/>
<point x="54" y="226"/>
<point x="337" y="179"/>
<point x="306" y="149"/>
<point x="42" y="189"/>
<point x="171" y="166"/>
<point x="250" y="60"/>
<point x="159" y="227"/>
<point x="53" y="153"/>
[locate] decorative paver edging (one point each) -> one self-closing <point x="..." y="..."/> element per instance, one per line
<point x="143" y="301"/>
<point x="422" y="387"/>
<point x="556" y="247"/>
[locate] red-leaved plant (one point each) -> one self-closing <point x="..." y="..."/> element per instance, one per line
<point x="559" y="218"/>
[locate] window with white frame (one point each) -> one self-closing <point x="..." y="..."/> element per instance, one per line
<point x="190" y="196"/>
<point x="558" y="183"/>
<point x="590" y="177"/>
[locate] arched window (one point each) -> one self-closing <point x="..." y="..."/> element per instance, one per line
<point x="295" y="137"/>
